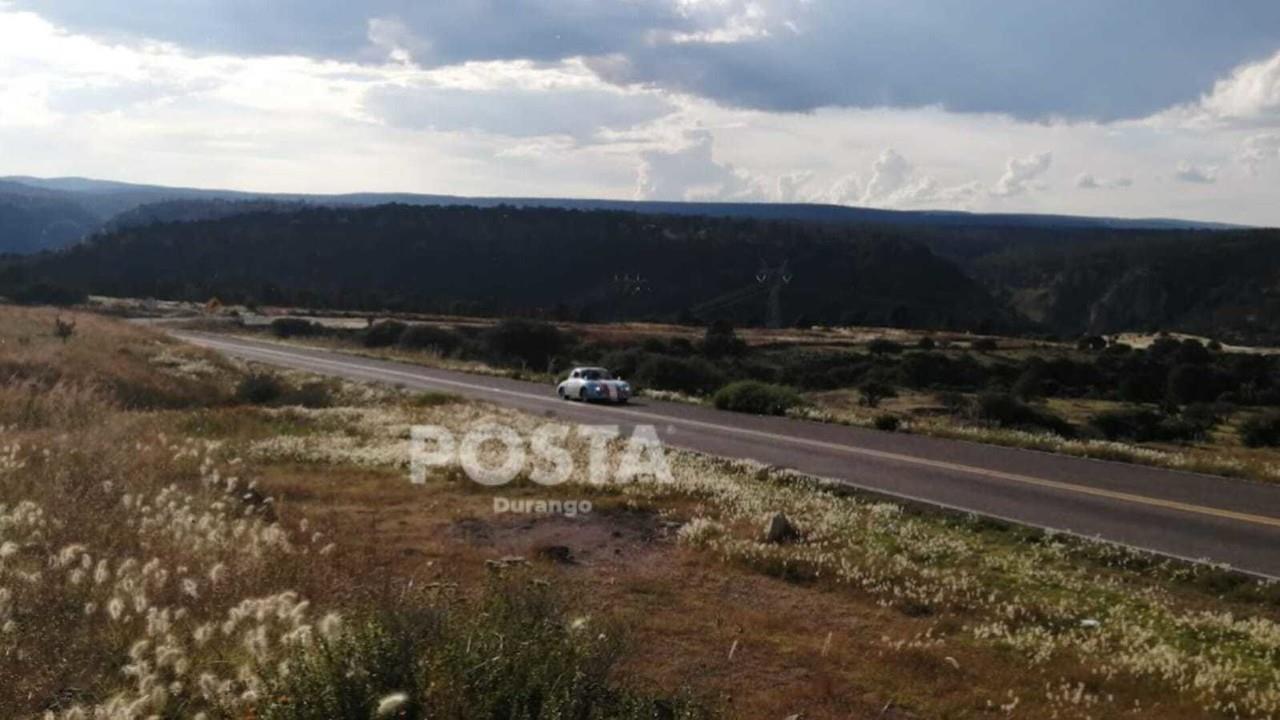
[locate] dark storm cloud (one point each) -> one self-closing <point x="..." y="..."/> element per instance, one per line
<point x="1096" y="59"/>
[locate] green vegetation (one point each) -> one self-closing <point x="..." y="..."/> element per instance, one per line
<point x="751" y="396"/>
<point x="514" y="653"/>
<point x="1262" y="430"/>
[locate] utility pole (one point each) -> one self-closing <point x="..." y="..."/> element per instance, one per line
<point x="774" y="278"/>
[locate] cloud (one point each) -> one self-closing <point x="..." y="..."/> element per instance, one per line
<point x="1087" y="181"/>
<point x="513" y="111"/>
<point x="1250" y="95"/>
<point x="846" y="190"/>
<point x="973" y="56"/>
<point x="896" y="183"/>
<point x="1188" y="173"/>
<point x="692" y="173"/>
<point x="1020" y="174"/>
<point x="1259" y="150"/>
<point x="790" y="186"/>
<point x="397" y="39"/>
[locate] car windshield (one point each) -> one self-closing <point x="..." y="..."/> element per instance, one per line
<point x="596" y="374"/>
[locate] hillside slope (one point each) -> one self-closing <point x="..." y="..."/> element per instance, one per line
<point x="564" y="263"/>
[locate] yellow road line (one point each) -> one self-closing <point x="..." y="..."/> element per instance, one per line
<point x="775" y="437"/>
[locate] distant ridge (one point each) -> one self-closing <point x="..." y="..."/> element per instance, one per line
<point x="105" y="199"/>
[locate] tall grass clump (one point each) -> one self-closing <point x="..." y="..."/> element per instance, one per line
<point x="515" y="652"/>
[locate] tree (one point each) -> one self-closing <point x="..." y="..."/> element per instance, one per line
<point x="873" y="391"/>
<point x="720" y="340"/>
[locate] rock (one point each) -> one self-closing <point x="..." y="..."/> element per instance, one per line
<point x="779" y="529"/>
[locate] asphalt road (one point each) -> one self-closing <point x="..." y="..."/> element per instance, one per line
<point x="1185" y="515"/>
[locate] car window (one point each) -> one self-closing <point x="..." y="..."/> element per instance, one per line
<point x="597" y="375"/>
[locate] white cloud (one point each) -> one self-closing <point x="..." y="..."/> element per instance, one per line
<point x="1088" y="181"/>
<point x="1201" y="175"/>
<point x="1251" y="95"/>
<point x="397" y="39"/>
<point x="1021" y="172"/>
<point x="791" y="185"/>
<point x="1260" y="150"/>
<point x="692" y="173"/>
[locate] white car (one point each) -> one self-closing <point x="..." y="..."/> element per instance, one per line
<point x="594" y="383"/>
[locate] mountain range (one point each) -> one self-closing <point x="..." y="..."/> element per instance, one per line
<point x="48" y="213"/>
<point x="606" y="260"/>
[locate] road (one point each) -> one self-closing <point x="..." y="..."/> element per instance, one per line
<point x="1179" y="514"/>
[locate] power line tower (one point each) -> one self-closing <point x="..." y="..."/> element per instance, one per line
<point x="774" y="279"/>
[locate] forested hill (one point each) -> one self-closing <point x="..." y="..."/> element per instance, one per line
<point x="1224" y="285"/>
<point x="544" y="261"/>
<point x="72" y="208"/>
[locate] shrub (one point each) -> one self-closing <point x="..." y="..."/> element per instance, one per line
<point x="310" y="395"/>
<point x="752" y="396"/>
<point x="694" y="376"/>
<point x="984" y="345"/>
<point x="926" y="343"/>
<point x="1143" y="425"/>
<point x="529" y="342"/>
<point x="512" y="654"/>
<point x="383" y="334"/>
<point x="1007" y="411"/>
<point x="1092" y="343"/>
<point x="883" y="346"/>
<point x="887" y="423"/>
<point x="260" y="388"/>
<point x="873" y="391"/>
<point x="1261" y="430"/>
<point x="47" y="294"/>
<point x="293" y="327"/>
<point x="953" y="402"/>
<point x="720" y="341"/>
<point x="429" y="337"/>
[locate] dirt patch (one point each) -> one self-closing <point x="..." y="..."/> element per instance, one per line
<point x="608" y="537"/>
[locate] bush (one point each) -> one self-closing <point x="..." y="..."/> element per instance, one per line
<point x="1092" y="343"/>
<point x="873" y="391"/>
<point x="310" y="395"/>
<point x="984" y="345"/>
<point x="293" y="327"/>
<point x="887" y="423"/>
<point x="1007" y="411"/>
<point x="1142" y="425"/>
<point x="953" y="402"/>
<point x="721" y="341"/>
<point x="430" y="337"/>
<point x="1261" y="430"/>
<point x="383" y="334"/>
<point x="512" y="654"/>
<point x="926" y="343"/>
<point x="260" y="389"/>
<point x="529" y="342"/>
<point x="694" y="376"/>
<point x="751" y="396"/>
<point x="882" y="346"/>
<point x="47" y="294"/>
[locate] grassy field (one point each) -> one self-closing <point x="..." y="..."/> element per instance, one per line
<point x="171" y="547"/>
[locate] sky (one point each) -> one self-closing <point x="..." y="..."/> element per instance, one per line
<point x="1142" y="108"/>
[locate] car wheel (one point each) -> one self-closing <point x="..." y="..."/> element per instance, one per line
<point x="582" y="395"/>
<point x="563" y="395"/>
